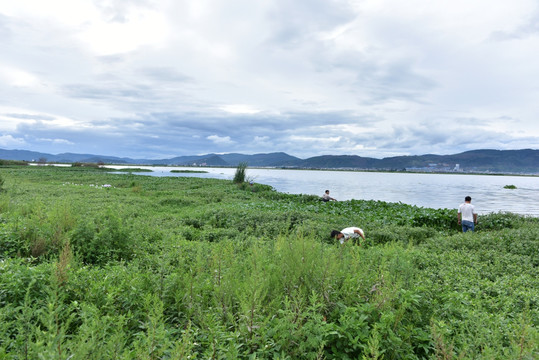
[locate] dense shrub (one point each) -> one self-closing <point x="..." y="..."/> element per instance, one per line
<point x="497" y="221"/>
<point x="102" y="240"/>
<point x="201" y="268"/>
<point x="442" y="219"/>
<point x="11" y="245"/>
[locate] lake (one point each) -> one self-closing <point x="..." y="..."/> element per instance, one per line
<point x="425" y="190"/>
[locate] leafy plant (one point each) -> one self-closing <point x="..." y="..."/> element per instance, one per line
<point x="200" y="268"/>
<point x="240" y="174"/>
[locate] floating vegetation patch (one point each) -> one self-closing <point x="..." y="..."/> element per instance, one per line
<point x="189" y="171"/>
<point x="133" y="170"/>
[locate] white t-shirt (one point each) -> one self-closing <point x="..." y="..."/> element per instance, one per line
<point x="349" y="233"/>
<point x="467" y="210"/>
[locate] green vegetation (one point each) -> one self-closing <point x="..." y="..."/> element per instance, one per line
<point x="12" y="162"/>
<point x="131" y="170"/>
<point x="189" y="171"/>
<point x="509" y="187"/>
<point x="85" y="164"/>
<point x="180" y="267"/>
<point x="241" y="173"/>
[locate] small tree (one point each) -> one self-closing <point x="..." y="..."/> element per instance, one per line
<point x="239" y="176"/>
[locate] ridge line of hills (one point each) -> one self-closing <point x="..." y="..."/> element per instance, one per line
<point x="525" y="161"/>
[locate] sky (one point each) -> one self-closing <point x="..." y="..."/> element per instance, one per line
<point x="156" y="79"/>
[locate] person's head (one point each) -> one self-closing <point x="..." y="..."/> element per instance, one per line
<point x="468" y="198"/>
<point x="327" y="191"/>
<point x="336" y="234"/>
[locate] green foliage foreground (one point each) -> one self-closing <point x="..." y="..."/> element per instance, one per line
<point x="178" y="267"/>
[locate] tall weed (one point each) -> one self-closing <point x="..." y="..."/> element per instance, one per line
<point x="240" y="174"/>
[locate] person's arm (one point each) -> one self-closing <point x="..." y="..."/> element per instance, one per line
<point x="458" y="217"/>
<point x="360" y="234"/>
<point x="475" y="218"/>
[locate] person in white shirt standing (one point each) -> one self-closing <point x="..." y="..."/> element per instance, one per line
<point x="466" y="215"/>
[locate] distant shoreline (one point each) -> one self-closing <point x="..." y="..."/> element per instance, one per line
<point x="297" y="168"/>
<point x="481" y="161"/>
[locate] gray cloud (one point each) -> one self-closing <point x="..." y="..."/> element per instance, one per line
<point x="295" y="22"/>
<point x="165" y="74"/>
<point x="398" y="81"/>
<point x="109" y="92"/>
<point x="29" y="116"/>
<point x="156" y="79"/>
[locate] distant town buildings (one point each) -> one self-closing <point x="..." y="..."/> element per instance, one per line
<point x="435" y="167"/>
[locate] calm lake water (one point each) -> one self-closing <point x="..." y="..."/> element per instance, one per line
<point x="425" y="190"/>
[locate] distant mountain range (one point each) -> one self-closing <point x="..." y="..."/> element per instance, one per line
<point x="524" y="161"/>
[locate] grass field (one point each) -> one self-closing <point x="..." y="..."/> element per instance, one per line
<point x="96" y="265"/>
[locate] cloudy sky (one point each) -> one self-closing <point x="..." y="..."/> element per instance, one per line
<point x="161" y="78"/>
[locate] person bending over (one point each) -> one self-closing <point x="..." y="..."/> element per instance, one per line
<point x="347" y="233"/>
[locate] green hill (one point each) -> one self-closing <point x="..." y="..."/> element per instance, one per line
<point x="497" y="161"/>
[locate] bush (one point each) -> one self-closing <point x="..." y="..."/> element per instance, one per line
<point x="497" y="221"/>
<point x="103" y="240"/>
<point x="241" y="171"/>
<point x="442" y="219"/>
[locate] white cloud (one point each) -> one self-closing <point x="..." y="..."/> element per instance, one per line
<point x="239" y="109"/>
<point x="12" y="76"/>
<point x="139" y="29"/>
<point x="65" y="12"/>
<point x="11" y="142"/>
<point x="261" y="138"/>
<point x="56" y="141"/>
<point x="222" y="140"/>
